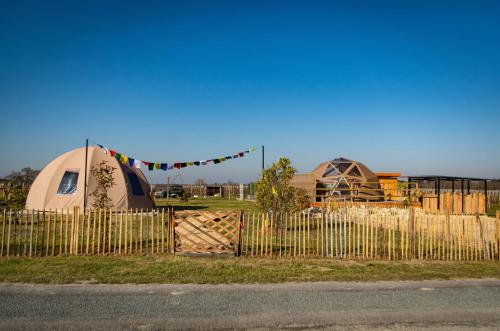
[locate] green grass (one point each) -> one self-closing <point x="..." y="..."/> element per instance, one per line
<point x="492" y="211"/>
<point x="203" y="270"/>
<point x="211" y="203"/>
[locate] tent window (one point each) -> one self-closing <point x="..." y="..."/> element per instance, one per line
<point x="135" y="185"/>
<point x="68" y="183"/>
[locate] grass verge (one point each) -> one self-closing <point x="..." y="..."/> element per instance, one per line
<point x="182" y="270"/>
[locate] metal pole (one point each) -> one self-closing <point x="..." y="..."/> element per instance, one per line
<point x="263" y="158"/>
<point x="85" y="178"/>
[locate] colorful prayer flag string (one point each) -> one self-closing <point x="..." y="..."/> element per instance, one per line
<point x="133" y="162"/>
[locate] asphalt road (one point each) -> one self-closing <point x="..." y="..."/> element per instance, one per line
<point x="443" y="305"/>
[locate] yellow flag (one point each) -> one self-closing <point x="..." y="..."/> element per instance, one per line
<point x="124" y="159"/>
<point x="157" y="166"/>
<point x="253" y="149"/>
<point x="190" y="163"/>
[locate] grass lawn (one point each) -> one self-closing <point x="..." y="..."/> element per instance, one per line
<point x="492" y="211"/>
<point x="211" y="203"/>
<point x="203" y="270"/>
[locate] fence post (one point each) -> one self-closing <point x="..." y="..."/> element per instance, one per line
<point x="497" y="243"/>
<point x="411" y="229"/>
<point x="240" y="234"/>
<point x="8" y="232"/>
<point x="76" y="221"/>
<point x="173" y="233"/>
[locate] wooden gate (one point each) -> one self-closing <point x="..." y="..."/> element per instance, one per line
<point x="206" y="232"/>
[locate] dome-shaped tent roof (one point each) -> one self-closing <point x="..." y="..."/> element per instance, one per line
<point x="61" y="183"/>
<point x="349" y="178"/>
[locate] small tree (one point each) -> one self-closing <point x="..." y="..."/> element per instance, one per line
<point x="301" y="199"/>
<point x="103" y="174"/>
<point x="13" y="196"/>
<point x="273" y="191"/>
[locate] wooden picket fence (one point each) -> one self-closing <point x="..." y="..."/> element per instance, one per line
<point x="373" y="233"/>
<point x="95" y="232"/>
<point x="342" y="233"/>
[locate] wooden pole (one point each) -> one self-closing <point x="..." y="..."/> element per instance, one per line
<point x="25" y="232"/>
<point x="37" y="232"/>
<point x="47" y="244"/>
<point x="99" y="232"/>
<point x="8" y="233"/>
<point x="253" y="234"/>
<point x="54" y="234"/>
<point x="152" y="234"/>
<point x="140" y="236"/>
<point x="308" y="234"/>
<point x="163" y="231"/>
<point x="3" y="231"/>
<point x="85" y="176"/>
<point x="110" y="213"/>
<point x="31" y="231"/>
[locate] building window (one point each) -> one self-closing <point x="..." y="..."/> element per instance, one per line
<point x="135" y="185"/>
<point x="68" y="183"/>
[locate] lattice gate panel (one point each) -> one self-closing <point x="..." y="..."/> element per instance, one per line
<point x="205" y="232"/>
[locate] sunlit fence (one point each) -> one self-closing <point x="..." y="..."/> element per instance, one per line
<point x="373" y="233"/>
<point x="342" y="233"/>
<point x="95" y="232"/>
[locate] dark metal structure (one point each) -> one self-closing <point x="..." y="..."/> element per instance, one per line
<point x="462" y="180"/>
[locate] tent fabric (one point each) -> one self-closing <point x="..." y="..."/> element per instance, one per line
<point x="54" y="187"/>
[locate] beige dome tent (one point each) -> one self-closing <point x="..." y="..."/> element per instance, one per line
<point x="61" y="183"/>
<point x="343" y="178"/>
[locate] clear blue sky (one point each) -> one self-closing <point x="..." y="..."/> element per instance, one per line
<point x="409" y="86"/>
